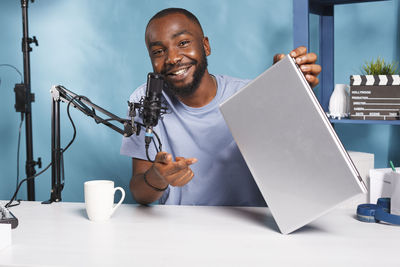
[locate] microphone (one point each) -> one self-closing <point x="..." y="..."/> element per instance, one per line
<point x="152" y="108"/>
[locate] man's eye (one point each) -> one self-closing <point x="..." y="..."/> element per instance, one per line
<point x="158" y="52"/>
<point x="184" y="43"/>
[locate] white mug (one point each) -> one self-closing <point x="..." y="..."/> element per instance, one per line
<point x="99" y="199"/>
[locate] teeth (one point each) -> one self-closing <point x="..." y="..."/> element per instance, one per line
<point x="179" y="72"/>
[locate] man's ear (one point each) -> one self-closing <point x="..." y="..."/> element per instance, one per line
<point x="206" y="45"/>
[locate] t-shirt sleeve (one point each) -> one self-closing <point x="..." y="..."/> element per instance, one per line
<point x="134" y="145"/>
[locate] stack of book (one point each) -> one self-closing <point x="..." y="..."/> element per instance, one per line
<point x="374" y="97"/>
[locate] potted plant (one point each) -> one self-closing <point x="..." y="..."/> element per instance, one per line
<point x="375" y="95"/>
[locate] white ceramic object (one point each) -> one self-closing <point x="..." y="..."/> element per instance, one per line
<point x="339" y="102"/>
<point x="99" y="199"/>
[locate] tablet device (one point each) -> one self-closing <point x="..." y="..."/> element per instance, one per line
<point x="290" y="147"/>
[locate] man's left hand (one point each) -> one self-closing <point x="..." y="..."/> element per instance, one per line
<point x="306" y="62"/>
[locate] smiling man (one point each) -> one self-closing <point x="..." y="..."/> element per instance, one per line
<point x="201" y="164"/>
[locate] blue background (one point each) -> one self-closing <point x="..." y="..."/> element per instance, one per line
<point x="96" y="48"/>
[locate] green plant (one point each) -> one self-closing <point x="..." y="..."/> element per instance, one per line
<point x="380" y="67"/>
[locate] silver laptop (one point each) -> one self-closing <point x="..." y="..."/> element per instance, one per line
<point x="290" y="147"/>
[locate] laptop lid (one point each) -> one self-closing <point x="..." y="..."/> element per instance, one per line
<point x="290" y="147"/>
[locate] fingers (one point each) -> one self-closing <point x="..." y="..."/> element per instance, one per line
<point x="186" y="178"/>
<point x="309" y="58"/>
<point x="180" y="164"/>
<point x="163" y="157"/>
<point x="180" y="174"/>
<point x="312" y="80"/>
<point x="301" y="56"/>
<point x="299" y="51"/>
<point x="189" y="161"/>
<point x="306" y="62"/>
<point x="313" y="69"/>
<point x="177" y="166"/>
<point x="175" y="173"/>
<point x="278" y="57"/>
<point x="181" y="178"/>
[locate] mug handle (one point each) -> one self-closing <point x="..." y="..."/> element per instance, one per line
<point x="120" y="201"/>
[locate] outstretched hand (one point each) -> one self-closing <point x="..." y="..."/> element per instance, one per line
<point x="175" y="173"/>
<point x="306" y="62"/>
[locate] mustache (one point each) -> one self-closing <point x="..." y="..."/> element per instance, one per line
<point x="170" y="67"/>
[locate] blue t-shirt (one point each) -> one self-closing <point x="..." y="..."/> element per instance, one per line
<point x="221" y="176"/>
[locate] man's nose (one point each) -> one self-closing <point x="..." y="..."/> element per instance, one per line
<point x="173" y="56"/>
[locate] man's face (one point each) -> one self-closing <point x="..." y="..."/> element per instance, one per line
<point x="179" y="51"/>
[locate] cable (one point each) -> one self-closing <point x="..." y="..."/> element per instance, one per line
<point x="147" y="154"/>
<point x="158" y="140"/>
<point x="8" y="205"/>
<point x="18" y="147"/>
<point x="16" y="204"/>
<point x="154" y="143"/>
<point x="13" y="67"/>
<point x="101" y="120"/>
<point x="19" y="129"/>
<point x="70" y="142"/>
<point x="26" y="179"/>
<point x="147" y="145"/>
<point x="72" y="123"/>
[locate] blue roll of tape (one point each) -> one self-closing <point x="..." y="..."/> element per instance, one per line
<point x="366" y="212"/>
<point x="377" y="212"/>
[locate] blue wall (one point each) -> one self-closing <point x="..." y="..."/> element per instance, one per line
<point x="96" y="48"/>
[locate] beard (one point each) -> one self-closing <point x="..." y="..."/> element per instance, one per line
<point x="189" y="89"/>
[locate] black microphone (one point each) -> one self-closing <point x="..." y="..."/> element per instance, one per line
<point x="152" y="108"/>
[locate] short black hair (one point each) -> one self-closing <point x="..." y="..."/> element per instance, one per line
<point x="175" y="10"/>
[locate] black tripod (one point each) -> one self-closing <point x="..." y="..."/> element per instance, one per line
<point x="24" y="99"/>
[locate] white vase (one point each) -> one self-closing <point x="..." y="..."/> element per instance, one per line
<point x="339" y="102"/>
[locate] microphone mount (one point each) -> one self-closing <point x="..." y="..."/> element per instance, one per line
<point x="61" y="94"/>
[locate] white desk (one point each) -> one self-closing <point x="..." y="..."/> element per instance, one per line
<point x="61" y="235"/>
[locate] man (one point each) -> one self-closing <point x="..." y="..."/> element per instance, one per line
<point x="193" y="131"/>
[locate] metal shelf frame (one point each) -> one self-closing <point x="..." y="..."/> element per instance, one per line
<point x="380" y="122"/>
<point x="301" y="37"/>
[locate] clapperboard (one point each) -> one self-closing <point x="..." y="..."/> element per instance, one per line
<point x="374" y="97"/>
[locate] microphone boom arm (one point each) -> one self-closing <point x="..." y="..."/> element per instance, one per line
<point x="60" y="94"/>
<point x="83" y="104"/>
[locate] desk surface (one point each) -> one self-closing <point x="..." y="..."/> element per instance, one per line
<point x="60" y="234"/>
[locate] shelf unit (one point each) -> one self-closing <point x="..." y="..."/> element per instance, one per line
<point x="301" y="37"/>
<point x="380" y="122"/>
